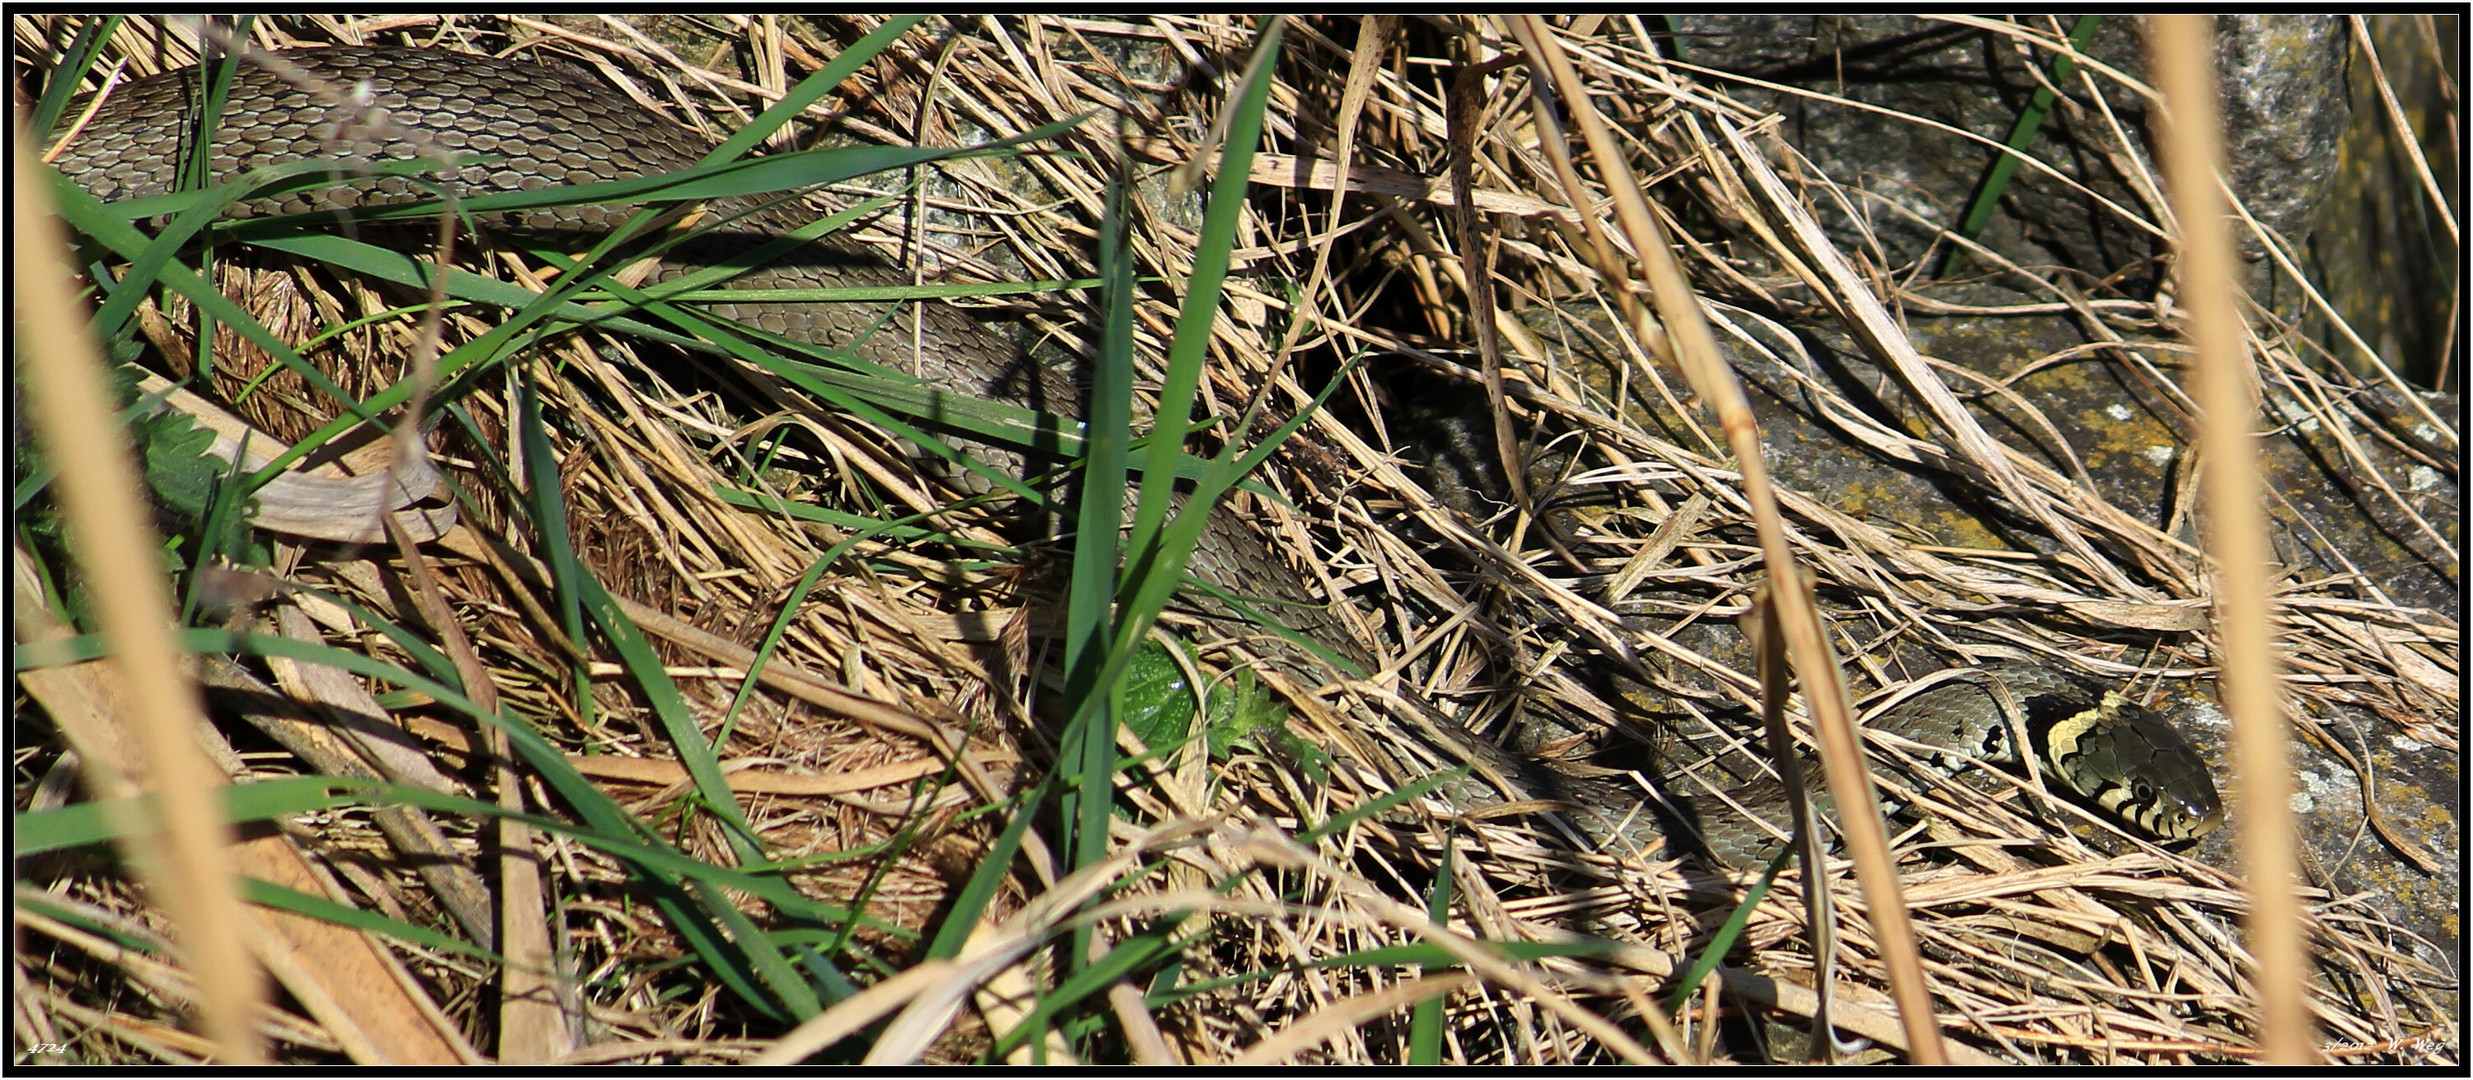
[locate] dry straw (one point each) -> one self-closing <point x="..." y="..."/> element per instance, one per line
<point x="1286" y="903"/>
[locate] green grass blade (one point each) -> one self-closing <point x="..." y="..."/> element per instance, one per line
<point x="2022" y="134"/>
<point x="1188" y="350"/>
<point x="271" y="895"/>
<point x="1724" y="939"/>
<point x="580" y="594"/>
<point x="1425" y="1020"/>
<point x="75" y="60"/>
<point x="970" y="904"/>
<point x="1089" y="740"/>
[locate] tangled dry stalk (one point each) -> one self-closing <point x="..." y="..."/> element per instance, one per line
<point x="898" y="714"/>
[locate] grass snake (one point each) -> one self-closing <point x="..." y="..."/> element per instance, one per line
<point x="545" y="126"/>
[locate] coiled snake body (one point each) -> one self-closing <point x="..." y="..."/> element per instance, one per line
<point x="2091" y="744"/>
<point x="543" y="126"/>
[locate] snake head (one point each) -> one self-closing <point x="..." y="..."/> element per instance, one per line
<point x="2138" y="767"/>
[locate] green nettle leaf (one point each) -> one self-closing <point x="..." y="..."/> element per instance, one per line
<point x="1159" y="703"/>
<point x="1242" y="713"/>
<point x="1245" y="714"/>
<point x="181" y="473"/>
<point x="178" y="466"/>
<point x="187" y="479"/>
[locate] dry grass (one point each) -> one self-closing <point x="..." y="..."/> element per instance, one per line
<point x="1263" y="889"/>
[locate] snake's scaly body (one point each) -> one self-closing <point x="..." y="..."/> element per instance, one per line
<point x="545" y="126"/>
<point x="2091" y="744"/>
